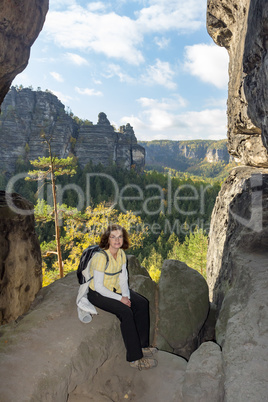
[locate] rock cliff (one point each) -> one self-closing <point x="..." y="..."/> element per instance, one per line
<point x="241" y="27"/>
<point x="27" y="113"/>
<point x="20" y="257"/>
<point x="20" y="24"/>
<point x="197" y="157"/>
<point x="237" y="254"/>
<point x="177" y="151"/>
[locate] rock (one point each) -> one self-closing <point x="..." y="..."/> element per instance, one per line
<point x="240" y="27"/>
<point x="183" y="308"/>
<point x="239" y="221"/>
<point x="20" y="257"/>
<point x="238" y="280"/>
<point x="26" y="114"/>
<point x="217" y="155"/>
<point x="58" y="350"/>
<point x="181" y="155"/>
<point x="255" y="66"/>
<point x="237" y="253"/>
<point x="242" y="328"/>
<point x="20" y="22"/>
<point x="118" y="382"/>
<point x="69" y="360"/>
<point x="203" y="381"/>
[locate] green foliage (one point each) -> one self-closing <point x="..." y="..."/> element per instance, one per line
<point x="44" y="167"/>
<point x="153" y="264"/>
<point x="27" y="148"/>
<point x="193" y="251"/>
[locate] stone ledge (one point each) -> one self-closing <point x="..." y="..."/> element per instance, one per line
<point x="46" y="353"/>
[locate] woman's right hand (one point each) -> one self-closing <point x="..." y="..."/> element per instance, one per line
<point x="126" y="301"/>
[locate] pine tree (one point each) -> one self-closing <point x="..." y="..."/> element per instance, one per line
<point x="193" y="251"/>
<point x="48" y="168"/>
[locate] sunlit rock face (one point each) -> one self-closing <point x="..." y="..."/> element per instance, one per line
<point x="255" y="66"/>
<point x="20" y="24"/>
<point x="20" y="257"/>
<point x="241" y="27"/>
<point x="237" y="253"/>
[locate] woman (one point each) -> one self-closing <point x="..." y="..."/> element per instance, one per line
<point x="110" y="292"/>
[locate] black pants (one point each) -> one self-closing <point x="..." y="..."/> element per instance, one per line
<point x="134" y="320"/>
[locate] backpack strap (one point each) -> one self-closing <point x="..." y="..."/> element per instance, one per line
<point x="114" y="273"/>
<point x="107" y="263"/>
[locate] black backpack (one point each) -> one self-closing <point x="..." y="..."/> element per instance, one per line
<point x="84" y="260"/>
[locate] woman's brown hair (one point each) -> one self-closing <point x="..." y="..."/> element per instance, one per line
<point x="104" y="241"/>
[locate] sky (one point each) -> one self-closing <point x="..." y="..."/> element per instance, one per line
<point x="150" y="63"/>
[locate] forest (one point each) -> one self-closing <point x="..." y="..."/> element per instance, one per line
<point x="166" y="213"/>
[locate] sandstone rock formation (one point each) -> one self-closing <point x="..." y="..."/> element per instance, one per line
<point x="69" y="360"/>
<point x="239" y="222"/>
<point x="20" y="257"/>
<point x="237" y="254"/>
<point x="99" y="143"/>
<point x="241" y="27"/>
<point x="20" y="24"/>
<point x="203" y="381"/>
<point x="181" y="155"/>
<point x="26" y="114"/>
<point x="183" y="308"/>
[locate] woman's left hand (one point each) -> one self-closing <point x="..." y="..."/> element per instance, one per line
<point x="126" y="301"/>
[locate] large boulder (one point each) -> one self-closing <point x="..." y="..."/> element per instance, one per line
<point x="49" y="355"/>
<point x="20" y="257"/>
<point x="21" y="22"/>
<point x="203" y="381"/>
<point x="242" y="327"/>
<point x="241" y="27"/>
<point x="183" y="308"/>
<point x="48" y="352"/>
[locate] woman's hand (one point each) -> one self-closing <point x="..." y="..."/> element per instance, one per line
<point x="126" y="301"/>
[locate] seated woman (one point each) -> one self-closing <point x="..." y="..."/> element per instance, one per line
<point x="109" y="291"/>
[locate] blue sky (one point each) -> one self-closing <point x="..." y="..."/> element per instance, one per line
<point x="150" y="63"/>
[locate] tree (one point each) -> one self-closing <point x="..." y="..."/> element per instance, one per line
<point x="193" y="251"/>
<point x="153" y="264"/>
<point x="48" y="168"/>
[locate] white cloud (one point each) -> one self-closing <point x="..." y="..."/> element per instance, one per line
<point x="116" y="70"/>
<point x="110" y="34"/>
<point x="88" y="91"/>
<point x="162" y="42"/>
<point x="164" y="120"/>
<point x="90" y="28"/>
<point x="160" y="73"/>
<point x="76" y="59"/>
<point x="58" y="77"/>
<point x="97" y="82"/>
<point x="58" y="4"/>
<point x="209" y="63"/>
<point x="162" y="16"/>
<point x="96" y="6"/>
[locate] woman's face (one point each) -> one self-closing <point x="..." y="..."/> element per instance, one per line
<point x="116" y="239"/>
